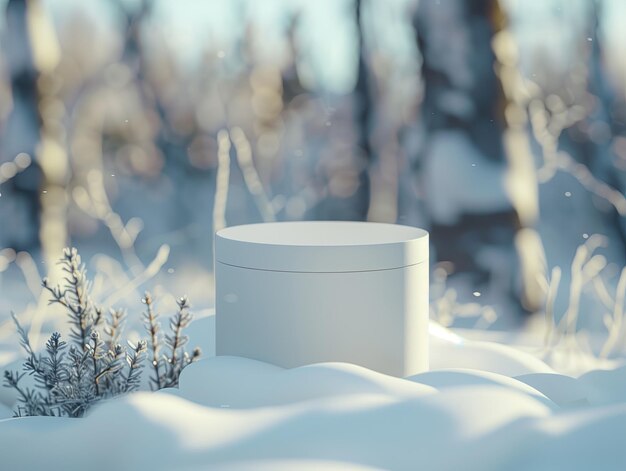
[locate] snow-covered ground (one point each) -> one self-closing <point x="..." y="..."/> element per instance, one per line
<point x="484" y="405"/>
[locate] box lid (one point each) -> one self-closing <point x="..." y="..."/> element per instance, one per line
<point x="321" y="246"/>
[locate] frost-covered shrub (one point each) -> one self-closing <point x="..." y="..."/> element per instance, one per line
<point x="93" y="365"/>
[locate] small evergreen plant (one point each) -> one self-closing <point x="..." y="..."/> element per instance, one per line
<point x="69" y="377"/>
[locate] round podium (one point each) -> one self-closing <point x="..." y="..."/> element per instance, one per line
<point x="295" y="293"/>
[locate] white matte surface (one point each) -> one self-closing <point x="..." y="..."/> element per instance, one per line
<point x="318" y="302"/>
<point x="321" y="246"/>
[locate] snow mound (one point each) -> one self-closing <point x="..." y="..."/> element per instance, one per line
<point x="449" y="350"/>
<point x="564" y="391"/>
<point x="161" y="431"/>
<point x="605" y="386"/>
<point x="460" y="377"/>
<point x="492" y="408"/>
<point x="287" y="465"/>
<point x="243" y="383"/>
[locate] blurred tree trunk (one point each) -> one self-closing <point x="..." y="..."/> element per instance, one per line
<point x="590" y="140"/>
<point x="364" y="113"/>
<point x="600" y="132"/>
<point x="170" y="145"/>
<point x="606" y="123"/>
<point x="356" y="205"/>
<point x="473" y="220"/>
<point x="291" y="84"/>
<point x="19" y="205"/>
<point x="33" y="54"/>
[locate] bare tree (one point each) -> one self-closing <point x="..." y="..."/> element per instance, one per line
<point x="20" y="195"/>
<point x="463" y="158"/>
<point x="355" y="205"/>
<point x="364" y="116"/>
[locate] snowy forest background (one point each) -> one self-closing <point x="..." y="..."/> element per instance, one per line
<point x="134" y="129"/>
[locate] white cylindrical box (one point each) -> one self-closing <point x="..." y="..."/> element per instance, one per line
<point x="295" y="293"/>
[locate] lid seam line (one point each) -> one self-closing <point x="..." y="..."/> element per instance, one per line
<point x="321" y="272"/>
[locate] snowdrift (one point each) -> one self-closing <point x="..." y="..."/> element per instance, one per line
<point x="483" y="406"/>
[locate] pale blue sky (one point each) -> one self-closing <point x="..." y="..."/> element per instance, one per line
<point x="327" y="33"/>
